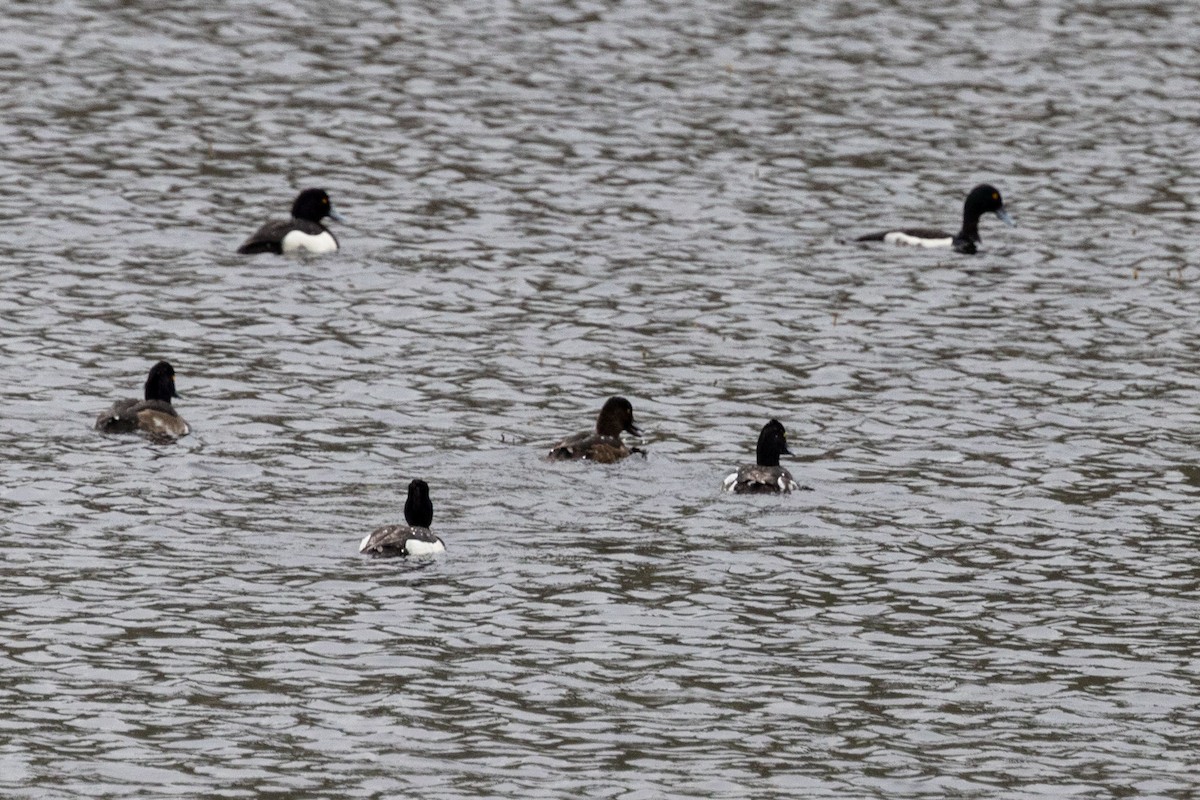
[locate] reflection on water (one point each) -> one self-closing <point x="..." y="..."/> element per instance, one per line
<point x="990" y="591"/>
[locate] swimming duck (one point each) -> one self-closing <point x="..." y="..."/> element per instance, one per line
<point x="983" y="199"/>
<point x="602" y="445"/>
<point x="413" y="539"/>
<point x="154" y="415"/>
<point x="766" y="476"/>
<point x="303" y="231"/>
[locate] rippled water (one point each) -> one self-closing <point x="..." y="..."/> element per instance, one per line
<point x="992" y="591"/>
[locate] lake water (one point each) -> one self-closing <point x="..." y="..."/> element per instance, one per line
<point x="993" y="589"/>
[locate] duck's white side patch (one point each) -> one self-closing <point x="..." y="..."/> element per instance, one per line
<point x="323" y="242"/>
<point x="899" y="237"/>
<point x="362" y="546"/>
<point x="729" y="482"/>
<point x="415" y="547"/>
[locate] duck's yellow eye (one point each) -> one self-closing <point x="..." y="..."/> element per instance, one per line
<point x="995" y="195"/>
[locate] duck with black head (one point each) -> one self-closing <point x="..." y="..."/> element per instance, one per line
<point x="603" y="443"/>
<point x="303" y="231"/>
<point x="154" y="415"/>
<point x="765" y="476"/>
<point x="413" y="539"/>
<point x="983" y="199"/>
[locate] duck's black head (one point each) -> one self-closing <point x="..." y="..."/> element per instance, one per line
<point x="616" y="416"/>
<point x="313" y="205"/>
<point x="418" y="511"/>
<point x="160" y="385"/>
<point x="772" y="443"/>
<point x="985" y="199"/>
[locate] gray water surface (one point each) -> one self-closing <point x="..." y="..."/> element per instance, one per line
<point x="993" y="589"/>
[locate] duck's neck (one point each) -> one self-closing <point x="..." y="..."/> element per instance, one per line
<point x="155" y="392"/>
<point x="768" y="455"/>
<point x="609" y="426"/>
<point x="970" y="228"/>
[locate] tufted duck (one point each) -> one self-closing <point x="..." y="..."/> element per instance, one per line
<point x="982" y="200"/>
<point x="603" y="444"/>
<point x="766" y="476"/>
<point x="413" y="539"/>
<point x="303" y="231"/>
<point x="154" y="415"/>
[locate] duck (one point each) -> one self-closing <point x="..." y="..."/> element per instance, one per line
<point x="303" y="231"/>
<point x="765" y="476"/>
<point x="413" y="539"/>
<point x="983" y="199"/>
<point x="603" y="444"/>
<point x="154" y="416"/>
